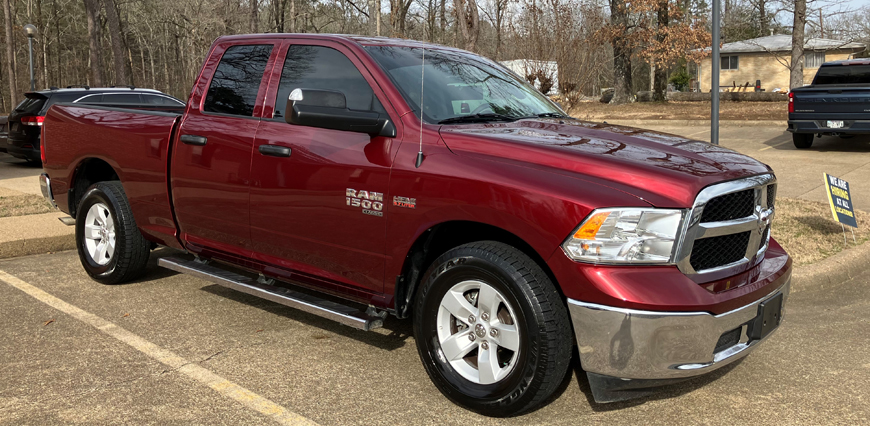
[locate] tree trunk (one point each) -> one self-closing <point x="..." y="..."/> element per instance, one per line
<point x="255" y="16"/>
<point x="10" y="55"/>
<point x="92" y="9"/>
<point x="114" y="22"/>
<point x="292" y="16"/>
<point x="468" y="22"/>
<point x="621" y="54"/>
<point x="374" y="11"/>
<point x="796" y="72"/>
<point x="661" y="72"/>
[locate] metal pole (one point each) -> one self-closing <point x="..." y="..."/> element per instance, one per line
<point x="32" y="82"/>
<point x="714" y="89"/>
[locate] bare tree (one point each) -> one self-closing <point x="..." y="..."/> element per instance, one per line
<point x="255" y="16"/>
<point x="621" y="53"/>
<point x="10" y="54"/>
<point x="118" y="48"/>
<point x="468" y="20"/>
<point x="92" y="9"/>
<point x="796" y="70"/>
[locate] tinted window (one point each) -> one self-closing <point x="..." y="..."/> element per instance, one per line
<point x="90" y="99"/>
<point x="234" y="87"/>
<point x="121" y="98"/>
<point x="324" y="68"/>
<point x="843" y="74"/>
<point x="730" y="63"/>
<point x="30" y="106"/>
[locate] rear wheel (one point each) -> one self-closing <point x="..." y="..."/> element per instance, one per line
<point x="110" y="246"/>
<point x="491" y="329"/>
<point x="802" y="140"/>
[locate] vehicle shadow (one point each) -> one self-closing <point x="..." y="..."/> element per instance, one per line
<point x="394" y="334"/>
<point x="856" y="143"/>
<point x="648" y="394"/>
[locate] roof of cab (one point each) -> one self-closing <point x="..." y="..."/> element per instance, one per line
<point x="358" y="39"/>
<point x="860" y="61"/>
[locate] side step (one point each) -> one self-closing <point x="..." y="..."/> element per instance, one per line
<point x="343" y="314"/>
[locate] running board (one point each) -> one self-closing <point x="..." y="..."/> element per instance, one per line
<point x="343" y="314"/>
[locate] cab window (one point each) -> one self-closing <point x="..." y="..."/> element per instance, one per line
<point x="233" y="89"/>
<point x="324" y="68"/>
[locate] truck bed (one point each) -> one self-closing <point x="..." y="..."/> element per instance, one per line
<point x="135" y="143"/>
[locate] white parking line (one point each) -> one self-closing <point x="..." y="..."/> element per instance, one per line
<point x="221" y="385"/>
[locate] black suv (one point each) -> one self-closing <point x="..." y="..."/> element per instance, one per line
<point x="25" y="122"/>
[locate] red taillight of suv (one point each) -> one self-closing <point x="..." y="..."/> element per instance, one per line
<point x="790" y="101"/>
<point x="32" y="120"/>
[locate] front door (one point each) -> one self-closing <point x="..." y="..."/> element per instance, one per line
<point x="211" y="162"/>
<point x="318" y="209"/>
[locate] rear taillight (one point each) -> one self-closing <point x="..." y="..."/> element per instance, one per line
<point x="32" y="121"/>
<point x="790" y="101"/>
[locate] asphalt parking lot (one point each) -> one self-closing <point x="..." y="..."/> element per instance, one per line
<point x="171" y="349"/>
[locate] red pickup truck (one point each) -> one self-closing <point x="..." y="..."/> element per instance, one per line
<point x="356" y="177"/>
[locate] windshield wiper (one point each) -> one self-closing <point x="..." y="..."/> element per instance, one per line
<point x="478" y="118"/>
<point x="553" y="115"/>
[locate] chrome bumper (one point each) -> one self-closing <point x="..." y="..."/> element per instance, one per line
<point x="45" y="186"/>
<point x="634" y="344"/>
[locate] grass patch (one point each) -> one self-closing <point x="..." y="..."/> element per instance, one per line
<point x="597" y="111"/>
<point x="808" y="232"/>
<point x="24" y="204"/>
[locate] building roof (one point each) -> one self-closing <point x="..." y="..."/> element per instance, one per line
<point x="782" y="43"/>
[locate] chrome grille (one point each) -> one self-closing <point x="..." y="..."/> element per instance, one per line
<point x="717" y="251"/>
<point x="730" y="206"/>
<point x="728" y="228"/>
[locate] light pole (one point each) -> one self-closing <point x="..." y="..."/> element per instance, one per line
<point x="714" y="93"/>
<point x="30" y="30"/>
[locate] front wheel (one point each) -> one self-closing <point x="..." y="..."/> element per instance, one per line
<point x="110" y="246"/>
<point x="491" y="329"/>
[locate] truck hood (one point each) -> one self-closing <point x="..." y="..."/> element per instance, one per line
<point x="662" y="169"/>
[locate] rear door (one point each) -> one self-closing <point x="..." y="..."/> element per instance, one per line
<point x="211" y="163"/>
<point x="320" y="211"/>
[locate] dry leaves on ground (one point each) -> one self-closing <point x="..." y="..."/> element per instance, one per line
<point x="22" y="205"/>
<point x="808" y="232"/>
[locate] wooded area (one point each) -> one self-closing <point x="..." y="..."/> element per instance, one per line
<point x="631" y="46"/>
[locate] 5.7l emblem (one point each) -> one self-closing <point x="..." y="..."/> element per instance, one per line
<point x="372" y="203"/>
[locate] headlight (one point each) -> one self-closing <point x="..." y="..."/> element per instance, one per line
<point x="626" y="235"/>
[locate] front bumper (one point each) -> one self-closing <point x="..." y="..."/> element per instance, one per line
<point x="635" y="344"/>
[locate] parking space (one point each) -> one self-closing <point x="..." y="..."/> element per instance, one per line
<point x="57" y="368"/>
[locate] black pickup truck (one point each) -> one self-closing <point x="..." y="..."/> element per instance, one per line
<point x="837" y="103"/>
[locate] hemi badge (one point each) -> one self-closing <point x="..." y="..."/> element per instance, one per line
<point x="408" y="203"/>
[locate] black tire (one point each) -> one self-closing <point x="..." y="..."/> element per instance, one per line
<point x="131" y="250"/>
<point x="545" y="336"/>
<point x="802" y="140"/>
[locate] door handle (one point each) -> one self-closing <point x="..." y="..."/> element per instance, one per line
<point x="274" y="150"/>
<point x="194" y="140"/>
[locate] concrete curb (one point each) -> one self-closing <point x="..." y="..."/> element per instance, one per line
<point x="37" y="245"/>
<point x="843" y="266"/>
<point x="687" y="123"/>
<point x="34" y="234"/>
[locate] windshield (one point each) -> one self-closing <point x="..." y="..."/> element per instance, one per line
<point x="459" y="85"/>
<point x="843" y="74"/>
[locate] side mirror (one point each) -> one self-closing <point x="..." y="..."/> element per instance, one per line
<point x="327" y="109"/>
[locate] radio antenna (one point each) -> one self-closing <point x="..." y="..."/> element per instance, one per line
<point x="422" y="74"/>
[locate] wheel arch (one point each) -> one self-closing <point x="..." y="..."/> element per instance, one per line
<point x="439" y="238"/>
<point x="88" y="172"/>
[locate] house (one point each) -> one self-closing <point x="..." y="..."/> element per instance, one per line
<point x="766" y="59"/>
<point x="527" y="67"/>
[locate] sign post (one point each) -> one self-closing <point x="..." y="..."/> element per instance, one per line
<point x="841" y="202"/>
